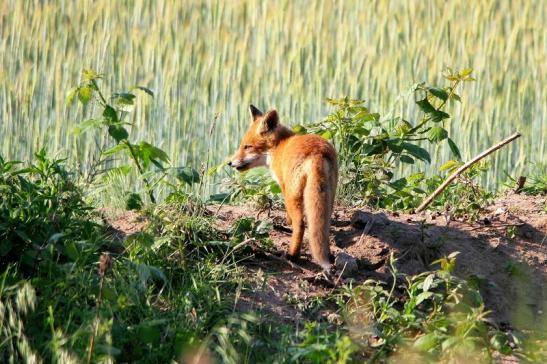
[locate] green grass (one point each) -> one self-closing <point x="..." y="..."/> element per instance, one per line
<point x="208" y="57"/>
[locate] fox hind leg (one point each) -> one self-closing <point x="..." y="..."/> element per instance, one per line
<point x="295" y="214"/>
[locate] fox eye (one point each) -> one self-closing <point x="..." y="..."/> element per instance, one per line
<point x="247" y="146"/>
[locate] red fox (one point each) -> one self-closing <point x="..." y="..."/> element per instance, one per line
<point x="306" y="168"/>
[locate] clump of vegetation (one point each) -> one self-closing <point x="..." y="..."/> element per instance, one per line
<point x="465" y="198"/>
<point x="430" y="317"/>
<point x="151" y="163"/>
<point x="536" y="182"/>
<point x="371" y="148"/>
<point x="44" y="220"/>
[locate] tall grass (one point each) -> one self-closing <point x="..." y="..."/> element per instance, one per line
<point x="208" y="57"/>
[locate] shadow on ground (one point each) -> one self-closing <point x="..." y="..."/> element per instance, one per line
<point x="505" y="253"/>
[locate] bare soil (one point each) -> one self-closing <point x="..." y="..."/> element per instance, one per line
<point x="505" y="252"/>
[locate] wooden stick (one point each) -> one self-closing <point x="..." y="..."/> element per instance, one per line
<point x="441" y="188"/>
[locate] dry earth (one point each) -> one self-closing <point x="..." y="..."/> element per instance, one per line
<point x="506" y="252"/>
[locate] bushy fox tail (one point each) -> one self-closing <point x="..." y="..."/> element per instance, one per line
<point x="318" y="203"/>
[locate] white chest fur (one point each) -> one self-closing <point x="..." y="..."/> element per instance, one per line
<point x="269" y="162"/>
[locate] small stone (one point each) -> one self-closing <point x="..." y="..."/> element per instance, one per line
<point x="346" y="263"/>
<point x="334" y="318"/>
<point x="500" y="211"/>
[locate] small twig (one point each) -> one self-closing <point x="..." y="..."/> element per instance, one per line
<point x="496" y="226"/>
<point x="520" y="184"/>
<point x="282" y="228"/>
<point x="460" y="170"/>
<point x="340" y="276"/>
<point x="285" y="260"/>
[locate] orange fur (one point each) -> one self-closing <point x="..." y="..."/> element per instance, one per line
<point x="305" y="167"/>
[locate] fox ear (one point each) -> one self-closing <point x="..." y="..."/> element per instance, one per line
<point x="269" y="122"/>
<point x="255" y="113"/>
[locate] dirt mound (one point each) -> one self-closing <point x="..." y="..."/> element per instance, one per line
<point x="505" y="254"/>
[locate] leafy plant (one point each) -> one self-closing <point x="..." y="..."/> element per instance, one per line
<point x="465" y="197"/>
<point x="431" y="316"/>
<point x="536" y="183"/>
<point x="113" y="119"/>
<point x="43" y="216"/>
<point x="370" y="149"/>
<point x="255" y="186"/>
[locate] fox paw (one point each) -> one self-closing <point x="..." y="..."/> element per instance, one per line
<point x="292" y="257"/>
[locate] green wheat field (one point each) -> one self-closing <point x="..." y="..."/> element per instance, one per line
<point x="207" y="60"/>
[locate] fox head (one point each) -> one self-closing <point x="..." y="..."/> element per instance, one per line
<point x="263" y="134"/>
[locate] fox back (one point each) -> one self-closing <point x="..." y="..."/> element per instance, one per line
<point x="305" y="166"/>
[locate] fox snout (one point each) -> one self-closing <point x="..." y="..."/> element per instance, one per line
<point x="242" y="164"/>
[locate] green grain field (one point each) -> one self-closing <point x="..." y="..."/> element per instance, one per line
<point x="208" y="60"/>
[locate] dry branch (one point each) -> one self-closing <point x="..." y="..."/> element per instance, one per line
<point x="441" y="188"/>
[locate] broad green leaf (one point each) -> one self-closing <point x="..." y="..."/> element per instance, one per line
<point x="406" y="159"/>
<point x="425" y="106"/>
<point x="466" y="72"/>
<point x="394" y="146"/>
<point x="115" y="149"/>
<point x="299" y="129"/>
<point x="398" y="184"/>
<point x="149" y="153"/>
<point x="363" y="115"/>
<point x="439" y="93"/>
<point x="454" y="149"/>
<point x="124" y="98"/>
<point x="86" y="125"/>
<point x="145" y="89"/>
<point x="450" y="342"/>
<point x="117" y="132"/>
<point x="110" y="115"/>
<point x="438" y="115"/>
<point x="450" y="166"/>
<point x="402" y="127"/>
<point x="327" y="135"/>
<point x="417" y="152"/>
<point x="422" y="297"/>
<point x="84" y="94"/>
<point x="188" y="175"/>
<point x="455" y="97"/>
<point x="274" y="188"/>
<point x="500" y="342"/>
<point x="426" y="342"/>
<point x="436" y="134"/>
<point x="71" y="251"/>
<point x="427" y="282"/>
<point x="416" y="177"/>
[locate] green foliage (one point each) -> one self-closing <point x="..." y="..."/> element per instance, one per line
<point x="464" y="198"/>
<point x="143" y="305"/>
<point x="255" y="185"/>
<point x="112" y="120"/>
<point x="433" y="316"/>
<point x="43" y="218"/>
<point x="536" y="182"/>
<point x="320" y="345"/>
<point x="370" y="148"/>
